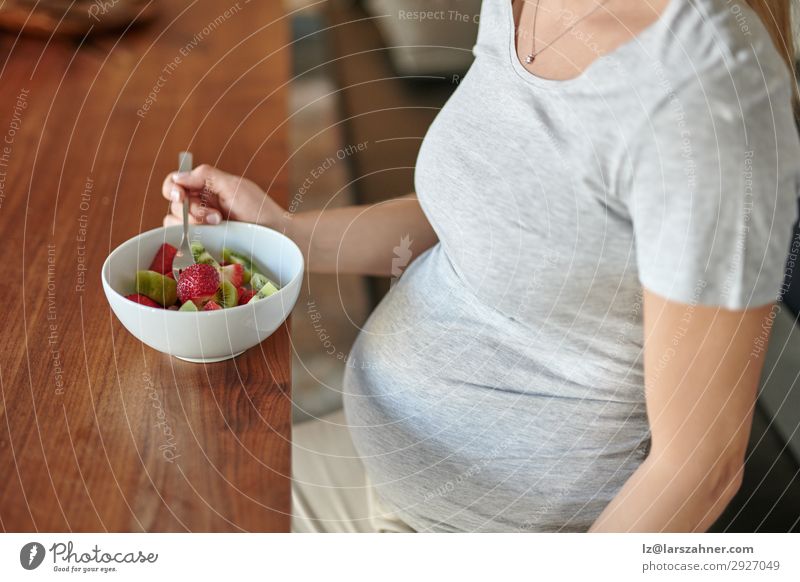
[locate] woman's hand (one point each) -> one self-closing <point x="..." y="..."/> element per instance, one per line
<point x="215" y="195"/>
<point x="352" y="239"/>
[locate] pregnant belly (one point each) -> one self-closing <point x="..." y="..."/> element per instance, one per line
<point x="458" y="429"/>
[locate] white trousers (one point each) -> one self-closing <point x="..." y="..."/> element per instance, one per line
<point x="330" y="489"/>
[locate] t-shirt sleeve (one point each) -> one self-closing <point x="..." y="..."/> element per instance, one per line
<point x="713" y="194"/>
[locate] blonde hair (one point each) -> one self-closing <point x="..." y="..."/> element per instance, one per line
<point x="777" y="18"/>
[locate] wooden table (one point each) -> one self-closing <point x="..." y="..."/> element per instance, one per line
<point x="98" y="432"/>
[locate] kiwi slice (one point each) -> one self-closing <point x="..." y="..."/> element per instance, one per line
<point x="188" y="306"/>
<point x="228" y="295"/>
<point x="259" y="282"/>
<point x="230" y="256"/>
<point x="201" y="255"/>
<point x="266" y="290"/>
<point x="157" y="287"/>
<point x="206" y="258"/>
<point x="197" y="250"/>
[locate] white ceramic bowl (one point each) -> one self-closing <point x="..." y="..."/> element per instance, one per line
<point x="206" y="336"/>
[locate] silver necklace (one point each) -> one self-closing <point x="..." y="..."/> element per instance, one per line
<point x="534" y="53"/>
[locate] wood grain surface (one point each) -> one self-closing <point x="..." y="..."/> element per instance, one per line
<point x="97" y="431"/>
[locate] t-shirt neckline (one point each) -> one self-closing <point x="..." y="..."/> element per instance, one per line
<point x="616" y="55"/>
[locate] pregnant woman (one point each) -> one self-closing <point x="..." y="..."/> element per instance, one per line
<point x="602" y="217"/>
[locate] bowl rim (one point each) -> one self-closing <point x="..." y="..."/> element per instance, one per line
<point x="249" y="225"/>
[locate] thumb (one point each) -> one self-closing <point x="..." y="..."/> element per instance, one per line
<point x="204" y="177"/>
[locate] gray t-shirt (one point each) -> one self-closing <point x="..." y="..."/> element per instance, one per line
<point x="499" y="385"/>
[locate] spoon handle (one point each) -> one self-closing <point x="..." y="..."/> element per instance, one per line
<point x="185" y="164"/>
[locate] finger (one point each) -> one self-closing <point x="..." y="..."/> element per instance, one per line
<point x="202" y="210"/>
<point x="199" y="213"/>
<point x="175" y="193"/>
<point x="203" y="177"/>
<point x="170" y="190"/>
<point x="176" y="211"/>
<point x="170" y="219"/>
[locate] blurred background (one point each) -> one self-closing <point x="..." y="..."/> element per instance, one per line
<point x="367" y="79"/>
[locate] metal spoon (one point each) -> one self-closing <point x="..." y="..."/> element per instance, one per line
<point x="184" y="257"/>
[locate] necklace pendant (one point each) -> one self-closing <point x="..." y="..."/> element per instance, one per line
<point x="530" y="58"/>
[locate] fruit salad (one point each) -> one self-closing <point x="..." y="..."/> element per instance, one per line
<point x="207" y="285"/>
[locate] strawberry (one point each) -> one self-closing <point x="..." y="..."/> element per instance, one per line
<point x="198" y="283"/>
<point x="211" y="306"/>
<point x="233" y="273"/>
<point x="245" y="296"/>
<point x="142" y="300"/>
<point x="162" y="262"/>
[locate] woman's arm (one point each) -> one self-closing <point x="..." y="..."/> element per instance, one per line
<point x="356" y="239"/>
<point x="361" y="239"/>
<point x="702" y="367"/>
